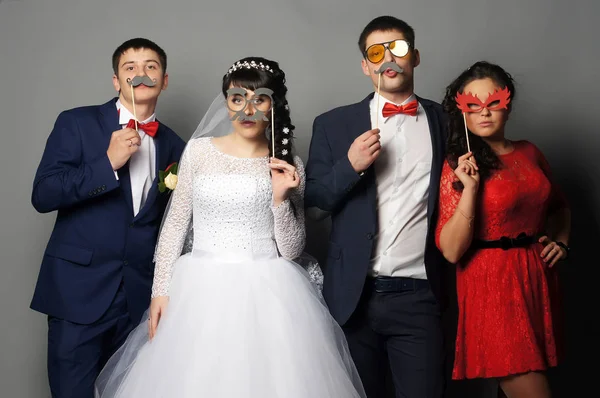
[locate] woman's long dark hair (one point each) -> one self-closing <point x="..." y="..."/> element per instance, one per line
<point x="254" y="78"/>
<point x="487" y="160"/>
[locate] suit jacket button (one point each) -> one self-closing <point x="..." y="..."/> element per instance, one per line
<point x="90" y="193"/>
<point x="103" y="187"/>
<point x="369" y="236"/>
<point x="125" y="262"/>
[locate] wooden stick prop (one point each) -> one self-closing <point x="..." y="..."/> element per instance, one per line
<point x="273" y="129"/>
<point x="137" y="81"/>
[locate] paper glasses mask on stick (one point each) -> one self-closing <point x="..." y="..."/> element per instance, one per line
<point x="469" y="103"/>
<point x="376" y="52"/>
<point x="262" y="102"/>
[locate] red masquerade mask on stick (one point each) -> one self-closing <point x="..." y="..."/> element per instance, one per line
<point x="468" y="103"/>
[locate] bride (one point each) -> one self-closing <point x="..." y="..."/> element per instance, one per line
<point x="236" y="317"/>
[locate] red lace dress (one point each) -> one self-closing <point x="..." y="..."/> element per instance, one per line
<point x="507" y="299"/>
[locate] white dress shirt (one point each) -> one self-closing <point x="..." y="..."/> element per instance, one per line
<point x="402" y="173"/>
<point x="142" y="163"/>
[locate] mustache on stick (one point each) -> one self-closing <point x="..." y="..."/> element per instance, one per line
<point x="139" y="80"/>
<point x="389" y="65"/>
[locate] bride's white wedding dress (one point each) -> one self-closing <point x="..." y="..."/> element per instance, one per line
<point x="242" y="320"/>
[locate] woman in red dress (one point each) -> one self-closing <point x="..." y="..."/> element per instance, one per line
<point x="505" y="224"/>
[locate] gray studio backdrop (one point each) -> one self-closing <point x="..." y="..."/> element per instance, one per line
<point x="55" y="54"/>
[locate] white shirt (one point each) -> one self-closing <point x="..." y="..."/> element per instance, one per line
<point x="402" y="173"/>
<point x="142" y="163"/>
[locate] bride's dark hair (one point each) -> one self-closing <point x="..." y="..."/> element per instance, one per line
<point x="252" y="78"/>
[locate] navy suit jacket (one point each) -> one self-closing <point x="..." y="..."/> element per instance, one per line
<point x="96" y="242"/>
<point x="333" y="186"/>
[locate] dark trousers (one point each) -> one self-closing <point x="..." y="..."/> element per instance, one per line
<point x="77" y="353"/>
<point x="398" y="333"/>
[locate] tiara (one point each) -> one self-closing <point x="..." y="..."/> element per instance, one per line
<point x="248" y="65"/>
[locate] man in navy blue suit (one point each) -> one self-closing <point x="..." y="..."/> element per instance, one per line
<point x="374" y="167"/>
<point x="100" y="172"/>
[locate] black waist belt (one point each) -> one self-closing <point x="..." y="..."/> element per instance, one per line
<point x="387" y="284"/>
<point x="504" y="242"/>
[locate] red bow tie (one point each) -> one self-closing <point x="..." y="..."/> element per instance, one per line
<point x="149" y="128"/>
<point x="408" y="109"/>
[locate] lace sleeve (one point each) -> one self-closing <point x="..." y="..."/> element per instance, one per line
<point x="448" y="200"/>
<point x="175" y="226"/>
<point x="290" y="232"/>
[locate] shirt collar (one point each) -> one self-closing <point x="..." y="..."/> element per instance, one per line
<point x="382" y="101"/>
<point x="125" y="115"/>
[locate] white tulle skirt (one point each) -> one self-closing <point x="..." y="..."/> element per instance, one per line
<point x="236" y="329"/>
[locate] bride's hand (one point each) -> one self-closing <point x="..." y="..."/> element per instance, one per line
<point x="284" y="178"/>
<point x="158" y="306"/>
